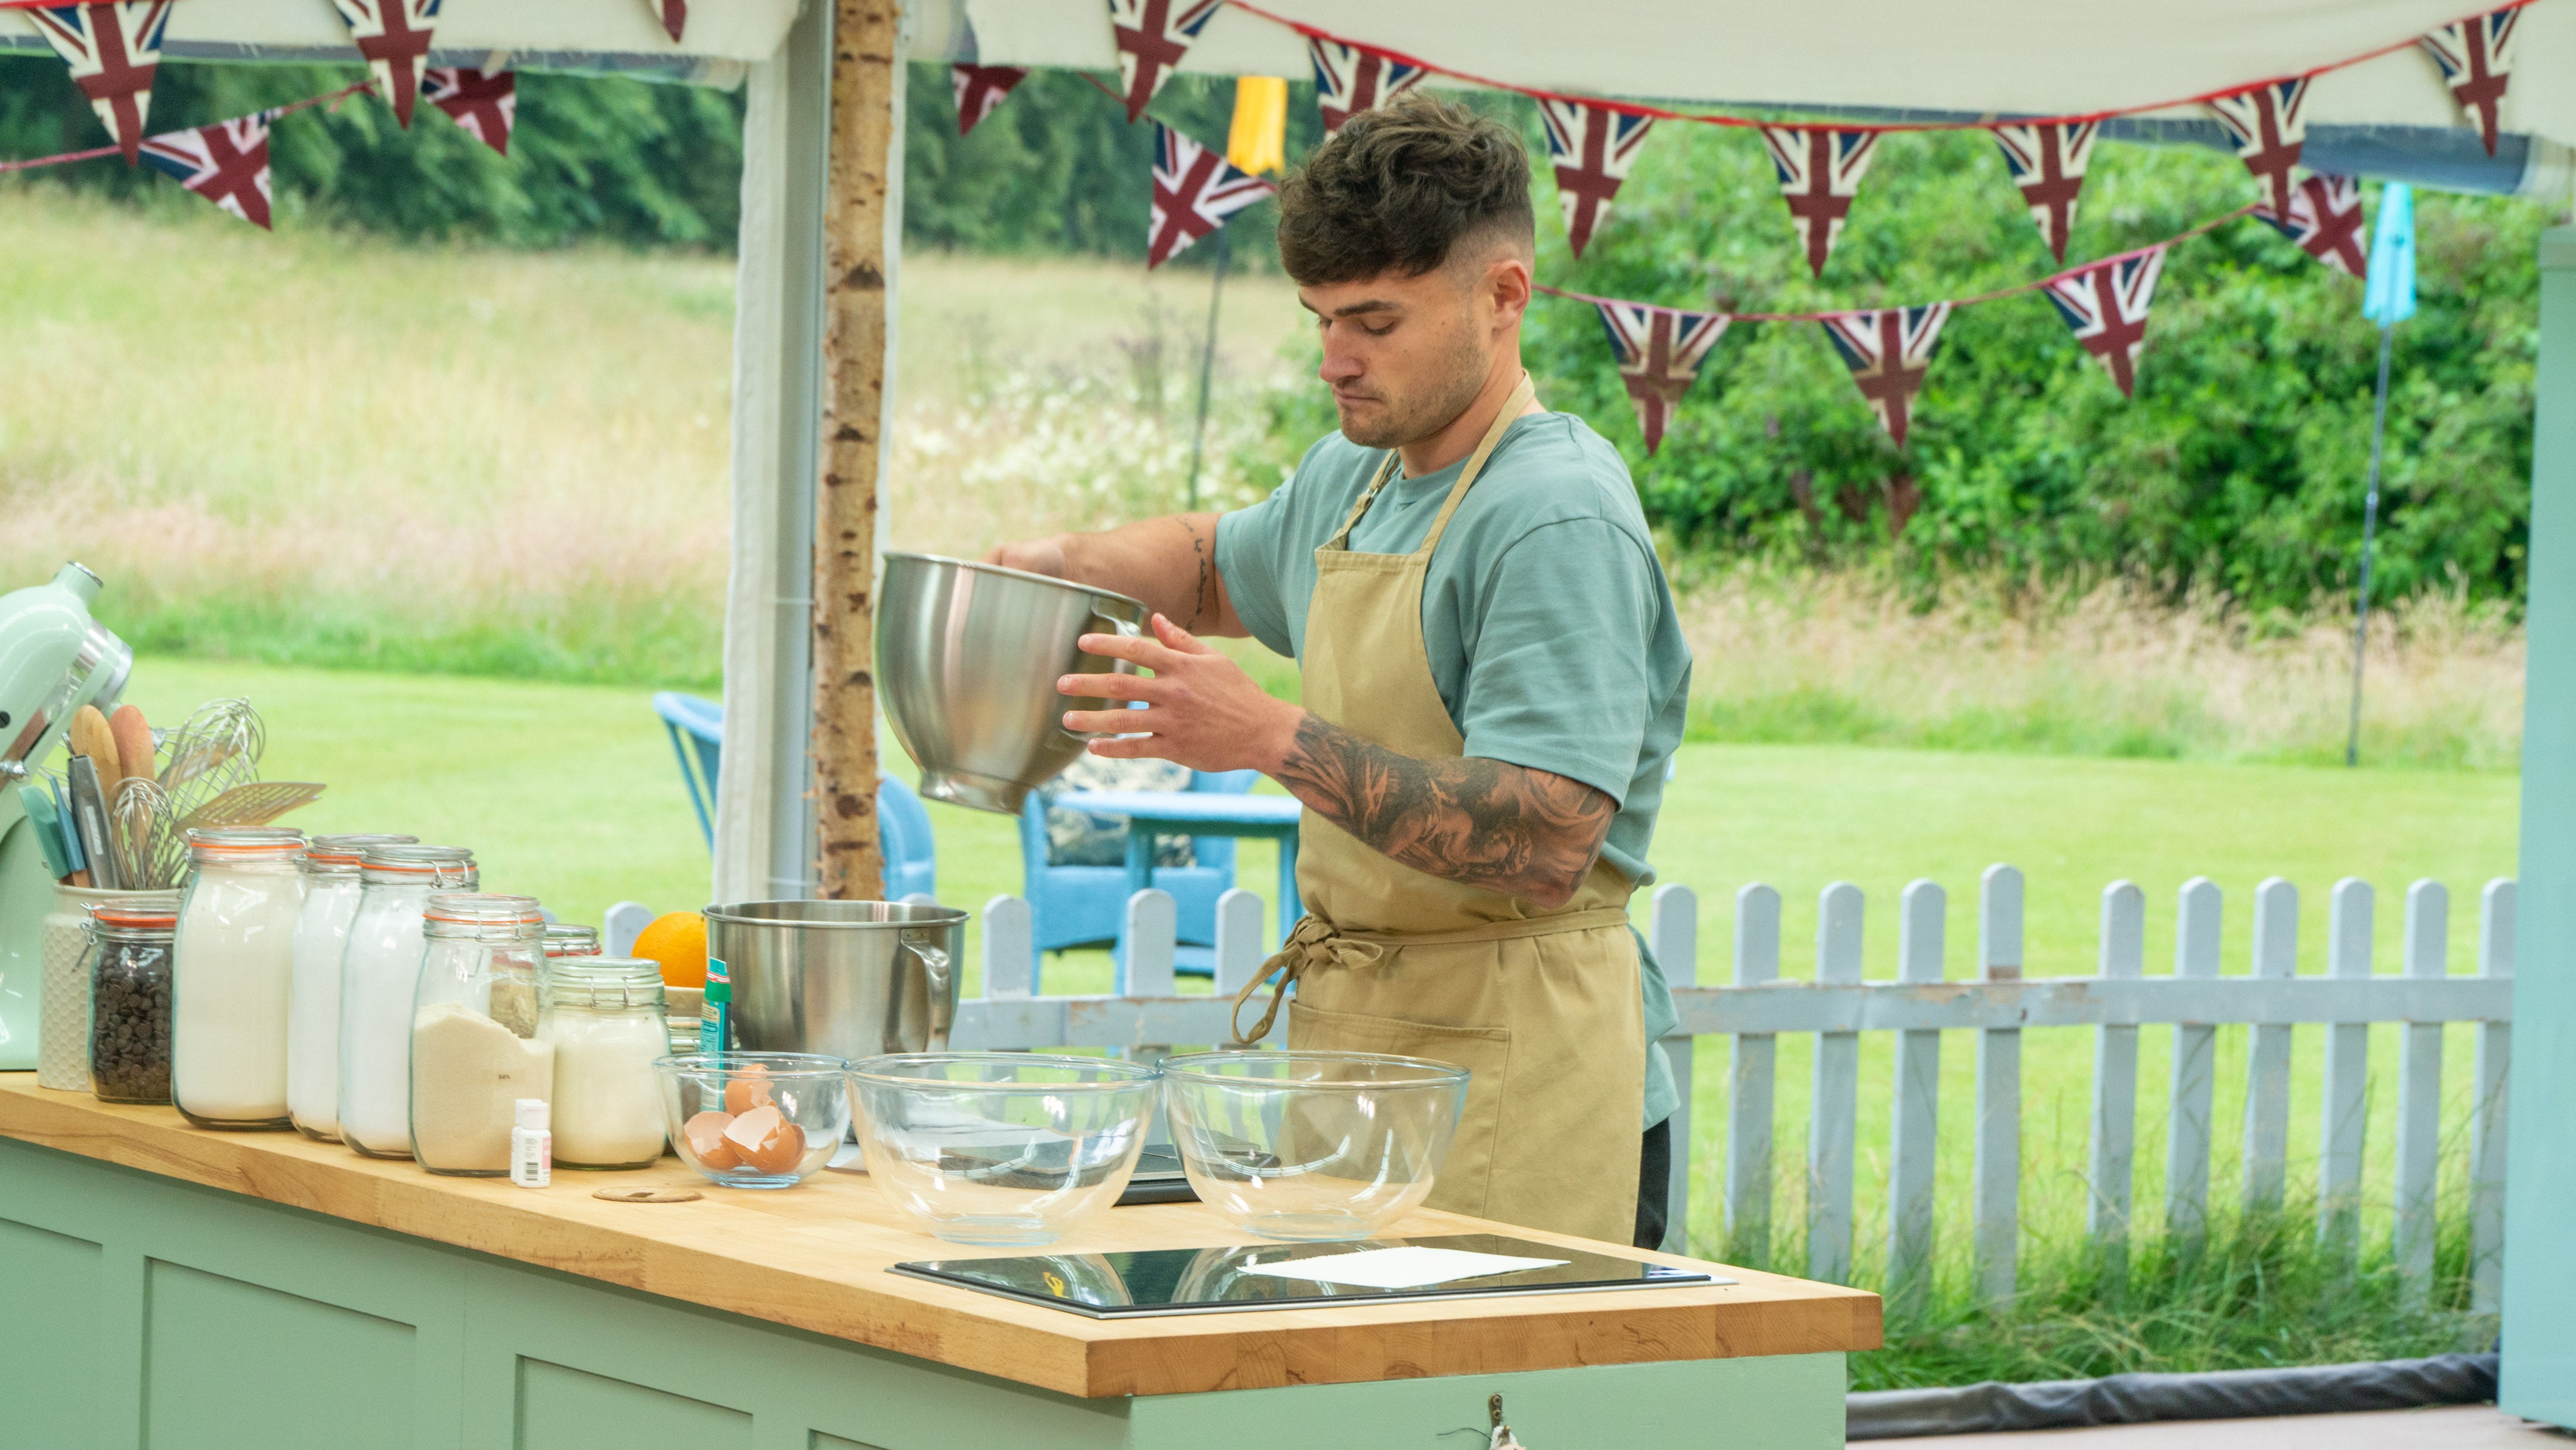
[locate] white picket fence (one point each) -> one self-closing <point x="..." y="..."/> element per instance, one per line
<point x="1997" y="1003"/>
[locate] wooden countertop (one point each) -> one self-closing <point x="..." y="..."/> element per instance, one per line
<point x="815" y="1257"/>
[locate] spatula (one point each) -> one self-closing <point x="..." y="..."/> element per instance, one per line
<point x="255" y="804"/>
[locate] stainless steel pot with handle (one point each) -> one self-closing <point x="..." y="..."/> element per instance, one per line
<point x="843" y="978"/>
<point x="967" y="659"/>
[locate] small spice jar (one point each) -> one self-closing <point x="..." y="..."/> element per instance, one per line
<point x="563" y="939"/>
<point x="232" y="972"/>
<point x="604" y="1017"/>
<point x="331" y="892"/>
<point x="474" y="1045"/>
<point x="379" y="973"/>
<point x="129" y="1023"/>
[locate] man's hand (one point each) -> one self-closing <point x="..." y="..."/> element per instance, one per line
<point x="1031" y="556"/>
<point x="1201" y="709"/>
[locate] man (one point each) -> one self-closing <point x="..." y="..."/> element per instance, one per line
<point x="1493" y="679"/>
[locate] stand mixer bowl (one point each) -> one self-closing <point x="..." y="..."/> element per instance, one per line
<point x="967" y="659"/>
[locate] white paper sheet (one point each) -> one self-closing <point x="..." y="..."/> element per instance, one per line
<point x="1410" y="1267"/>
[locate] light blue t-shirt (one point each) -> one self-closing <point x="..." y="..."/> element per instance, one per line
<point x="1551" y="633"/>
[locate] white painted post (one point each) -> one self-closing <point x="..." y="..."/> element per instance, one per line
<point x="2115" y="1075"/>
<point x="2487" y="1113"/>
<point x="1834" y="1123"/>
<point x="1997" y="1235"/>
<point x="2347" y="1102"/>
<point x="1750" y="1062"/>
<point x="1674" y="929"/>
<point x="1915" y="1132"/>
<point x="1008" y="962"/>
<point x="622" y="924"/>
<point x="2419" y="1097"/>
<point x="2195" y="1069"/>
<point x="1239" y="942"/>
<point x="2267" y="1062"/>
<point x="1152" y="937"/>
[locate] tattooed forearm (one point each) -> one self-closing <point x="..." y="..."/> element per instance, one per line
<point x="1200" y="598"/>
<point x="1528" y="833"/>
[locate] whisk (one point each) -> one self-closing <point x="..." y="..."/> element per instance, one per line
<point x="219" y="748"/>
<point x="150" y="852"/>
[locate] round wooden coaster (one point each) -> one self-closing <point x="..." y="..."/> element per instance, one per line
<point x="647" y="1195"/>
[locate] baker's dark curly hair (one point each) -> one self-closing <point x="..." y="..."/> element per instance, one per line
<point x="1399" y="189"/>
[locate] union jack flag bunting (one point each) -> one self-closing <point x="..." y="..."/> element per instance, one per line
<point x="1152" y="36"/>
<point x="2047" y="163"/>
<point x="226" y="163"/>
<point x="2475" y="56"/>
<point x="113" y="51"/>
<point x="1820" y="170"/>
<point x="485" y="105"/>
<point x="393" y="36"/>
<point x="2325" y="220"/>
<point x="1195" y="190"/>
<point x="1888" y="352"/>
<point x="980" y="88"/>
<point x="674" y="15"/>
<point x="1660" y="351"/>
<point x="2107" y="306"/>
<point x="1593" y="147"/>
<point x="2269" y="123"/>
<point x="1349" y="80"/>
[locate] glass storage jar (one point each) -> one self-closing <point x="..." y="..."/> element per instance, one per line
<point x="232" y="968"/>
<point x="129" y="1021"/>
<point x="331" y="891"/>
<point x="474" y="1045"/>
<point x="379" y="971"/>
<point x="563" y="939"/>
<point x="604" y="1017"/>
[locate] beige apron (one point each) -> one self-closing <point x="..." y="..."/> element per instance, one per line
<point x="1542" y="1007"/>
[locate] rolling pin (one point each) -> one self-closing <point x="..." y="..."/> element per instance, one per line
<point x="89" y="735"/>
<point x="133" y="742"/>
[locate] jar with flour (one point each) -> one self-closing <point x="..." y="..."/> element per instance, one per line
<point x="475" y="1051"/>
<point x="379" y="973"/>
<point x="232" y="970"/>
<point x="331" y="891"/>
<point x="604" y="1017"/>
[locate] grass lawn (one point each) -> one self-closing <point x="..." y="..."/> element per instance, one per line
<point x="570" y="793"/>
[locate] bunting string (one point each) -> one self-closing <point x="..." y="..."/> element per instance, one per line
<point x="331" y="98"/>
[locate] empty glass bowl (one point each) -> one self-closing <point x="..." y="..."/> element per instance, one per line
<point x="755" y="1119"/>
<point x="1312" y="1145"/>
<point x="1000" y="1147"/>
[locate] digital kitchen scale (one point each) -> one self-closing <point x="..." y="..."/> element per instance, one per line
<point x="1155" y="1282"/>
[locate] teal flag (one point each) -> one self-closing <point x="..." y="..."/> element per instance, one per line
<point x="2390" y="296"/>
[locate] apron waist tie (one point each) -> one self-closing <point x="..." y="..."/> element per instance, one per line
<point x="1315" y="943"/>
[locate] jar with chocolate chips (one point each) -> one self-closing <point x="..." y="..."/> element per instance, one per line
<point x="129" y="1035"/>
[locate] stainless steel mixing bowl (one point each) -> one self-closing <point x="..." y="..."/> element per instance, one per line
<point x="967" y="659"/>
<point x="843" y="978"/>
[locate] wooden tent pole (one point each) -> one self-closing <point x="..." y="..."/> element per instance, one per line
<point x="855" y="268"/>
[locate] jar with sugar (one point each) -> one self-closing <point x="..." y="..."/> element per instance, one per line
<point x="331" y="891"/>
<point x="604" y="1017"/>
<point x="129" y="994"/>
<point x="379" y="973"/>
<point x="474" y="1045"/>
<point x="232" y="971"/>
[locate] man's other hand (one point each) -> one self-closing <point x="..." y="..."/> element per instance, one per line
<point x="1201" y="709"/>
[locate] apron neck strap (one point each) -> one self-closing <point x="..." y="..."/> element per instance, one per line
<point x="1521" y="397"/>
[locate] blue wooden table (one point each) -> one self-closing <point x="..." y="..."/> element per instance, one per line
<point x="1154" y="814"/>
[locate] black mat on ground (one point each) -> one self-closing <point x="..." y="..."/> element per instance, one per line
<point x="2128" y="1399"/>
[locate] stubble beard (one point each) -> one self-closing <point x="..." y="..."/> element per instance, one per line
<point x="1407" y="419"/>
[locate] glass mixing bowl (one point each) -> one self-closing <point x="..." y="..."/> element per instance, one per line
<point x="1000" y="1147"/>
<point x="1312" y="1145"/>
<point x="755" y="1119"/>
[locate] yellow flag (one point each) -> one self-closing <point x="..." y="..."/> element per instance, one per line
<point x="1259" y="140"/>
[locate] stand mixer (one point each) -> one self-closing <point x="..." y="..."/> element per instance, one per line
<point x="53" y="659"/>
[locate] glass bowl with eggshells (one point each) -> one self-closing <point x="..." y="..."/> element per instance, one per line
<point x="755" y="1119"/>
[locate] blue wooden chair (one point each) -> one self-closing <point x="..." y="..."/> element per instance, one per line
<point x="1085" y="906"/>
<point x="696" y="728"/>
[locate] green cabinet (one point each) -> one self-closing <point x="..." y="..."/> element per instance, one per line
<point x="142" y="1313"/>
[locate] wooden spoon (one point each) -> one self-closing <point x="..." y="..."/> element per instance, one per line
<point x="89" y="735"/>
<point x="133" y="742"/>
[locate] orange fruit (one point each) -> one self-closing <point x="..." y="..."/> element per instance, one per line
<point x="678" y="940"/>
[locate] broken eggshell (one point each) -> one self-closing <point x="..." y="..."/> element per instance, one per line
<point x="707" y="1143"/>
